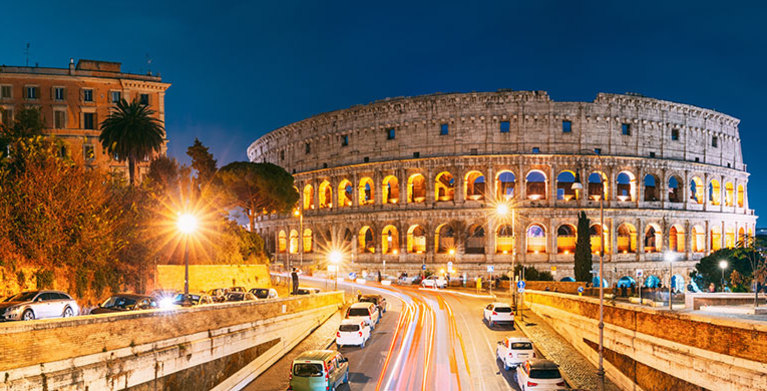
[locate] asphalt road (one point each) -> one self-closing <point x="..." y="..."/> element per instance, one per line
<point x="427" y="340"/>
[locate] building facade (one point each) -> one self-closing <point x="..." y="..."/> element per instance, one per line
<point x="409" y="182"/>
<point x="74" y="101"/>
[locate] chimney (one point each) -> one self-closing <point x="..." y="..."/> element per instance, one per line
<point x="71" y="66"/>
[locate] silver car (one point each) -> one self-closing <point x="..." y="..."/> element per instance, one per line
<point x="38" y="305"/>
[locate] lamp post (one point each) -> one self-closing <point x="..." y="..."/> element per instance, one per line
<point x="300" y="216"/>
<point x="577" y="185"/>
<point x="670" y="256"/>
<point x="335" y="258"/>
<point x="723" y="265"/>
<point x="187" y="224"/>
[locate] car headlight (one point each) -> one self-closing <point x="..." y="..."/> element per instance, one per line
<point x="12" y="309"/>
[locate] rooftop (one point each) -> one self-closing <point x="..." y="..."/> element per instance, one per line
<point x="84" y="68"/>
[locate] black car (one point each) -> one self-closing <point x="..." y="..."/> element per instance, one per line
<point x="125" y="302"/>
<point x="378" y="300"/>
<point x="239" y="296"/>
<point x="192" y="299"/>
<point x="264" y="293"/>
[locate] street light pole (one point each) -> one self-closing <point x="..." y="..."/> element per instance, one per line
<point x="723" y="265"/>
<point x="186" y="267"/>
<point x="670" y="258"/>
<point x="186" y="223"/>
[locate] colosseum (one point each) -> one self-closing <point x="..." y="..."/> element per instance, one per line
<point x="487" y="179"/>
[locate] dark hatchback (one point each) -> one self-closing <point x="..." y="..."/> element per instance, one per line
<point x="125" y="302"/>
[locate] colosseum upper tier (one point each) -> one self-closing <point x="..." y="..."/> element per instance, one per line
<point x="493" y="178"/>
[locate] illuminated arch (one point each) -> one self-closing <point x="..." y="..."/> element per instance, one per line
<point x="627" y="238"/>
<point x="474" y="185"/>
<point x="729" y="194"/>
<point x="475" y="242"/>
<point x="714" y="192"/>
<point x="595" y="236"/>
<point x="390" y="190"/>
<point x="653" y="238"/>
<point x="504" y="239"/>
<point x="444" y="238"/>
<point x="598" y="185"/>
<point x="651" y="188"/>
<point x="741" y="235"/>
<point x="626" y="186"/>
<point x="716" y="238"/>
<point x="366" y="240"/>
<point x="565" y="191"/>
<point x="366" y="191"/>
<point x="389" y="239"/>
<point x="345" y="193"/>
<point x="308" y="240"/>
<point x="729" y="236"/>
<point x="676" y="238"/>
<point x="416" y="239"/>
<point x="696" y="190"/>
<point x="282" y="241"/>
<point x="293" y="241"/>
<point x="504" y="185"/>
<point x="535" y="239"/>
<point x="674" y="189"/>
<point x="309" y="197"/>
<point x="566" y="239"/>
<point x="698" y="238"/>
<point x="416" y="188"/>
<point x="444" y="187"/>
<point x="740" y="196"/>
<point x="326" y="195"/>
<point x="535" y="185"/>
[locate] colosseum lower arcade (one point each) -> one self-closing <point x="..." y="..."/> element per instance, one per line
<point x="407" y="182"/>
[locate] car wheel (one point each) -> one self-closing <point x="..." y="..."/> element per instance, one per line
<point x="28" y="315"/>
<point x="68" y="312"/>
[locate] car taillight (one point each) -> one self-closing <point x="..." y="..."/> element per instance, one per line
<point x="360" y="332"/>
<point x="531" y="384"/>
<point x="338" y="334"/>
<point x="511" y="354"/>
<point x="561" y="384"/>
<point x="495" y="313"/>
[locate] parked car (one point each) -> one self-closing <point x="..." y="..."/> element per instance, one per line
<point x="218" y="295"/>
<point x="125" y="302"/>
<point x="38" y="305"/>
<point x="367" y="312"/>
<point x="192" y="299"/>
<point x="378" y="300"/>
<point x="239" y="296"/>
<point x="513" y="351"/>
<point x="434" y="282"/>
<point x="316" y="370"/>
<point x="352" y="332"/>
<point x="496" y="313"/>
<point x="306" y="291"/>
<point x="264" y="293"/>
<point x="539" y="375"/>
<point x="236" y="289"/>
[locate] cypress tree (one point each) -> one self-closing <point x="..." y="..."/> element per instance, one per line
<point x="583" y="250"/>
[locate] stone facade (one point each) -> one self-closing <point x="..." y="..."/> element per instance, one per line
<point x="414" y="181"/>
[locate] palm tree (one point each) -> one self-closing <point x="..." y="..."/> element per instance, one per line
<point x="131" y="132"/>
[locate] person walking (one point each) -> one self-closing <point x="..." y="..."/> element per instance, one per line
<point x="294" y="277"/>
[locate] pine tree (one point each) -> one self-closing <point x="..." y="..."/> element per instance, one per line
<point x="583" y="250"/>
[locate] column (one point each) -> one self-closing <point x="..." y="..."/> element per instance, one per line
<point x="459" y="196"/>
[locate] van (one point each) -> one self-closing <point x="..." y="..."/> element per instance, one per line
<point x="367" y="312"/>
<point x="318" y="370"/>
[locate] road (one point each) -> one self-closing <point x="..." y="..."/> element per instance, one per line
<point x="428" y="340"/>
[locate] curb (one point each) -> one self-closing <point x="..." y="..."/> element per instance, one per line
<point x="543" y="351"/>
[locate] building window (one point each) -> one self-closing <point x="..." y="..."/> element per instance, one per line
<point x="505" y="126"/>
<point x="652" y="154"/>
<point x="58" y="93"/>
<point x="59" y="119"/>
<point x="89" y="120"/>
<point x="390" y="134"/>
<point x="715" y="142"/>
<point x="567" y="127"/>
<point x="282" y="155"/>
<point x="598" y="151"/>
<point x="116" y="96"/>
<point x="674" y="134"/>
<point x="7" y="116"/>
<point x="444" y="129"/>
<point x="308" y="148"/>
<point x="144" y="99"/>
<point x="33" y="92"/>
<point x="536" y="150"/>
<point x="626" y="129"/>
<point x="344" y="140"/>
<point x="5" y="92"/>
<point x="88" y="152"/>
<point x="416" y="155"/>
<point x="87" y="95"/>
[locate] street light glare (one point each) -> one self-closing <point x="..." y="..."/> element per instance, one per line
<point x="723" y="264"/>
<point x="502" y="209"/>
<point x="335" y="257"/>
<point x="187" y="223"/>
<point x="670" y="256"/>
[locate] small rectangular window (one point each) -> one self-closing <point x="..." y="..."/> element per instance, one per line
<point x="5" y="92"/>
<point x="7" y="117"/>
<point x="344" y="140"/>
<point x="536" y="150"/>
<point x="505" y="126"/>
<point x="416" y="155"/>
<point x="59" y="119"/>
<point x="473" y="151"/>
<point x="390" y="134"/>
<point x="32" y="93"/>
<point x="567" y="127"/>
<point x="697" y="160"/>
<point x="652" y="154"/>
<point x="444" y="130"/>
<point x="58" y="93"/>
<point x="144" y="99"/>
<point x="89" y="153"/>
<point x="366" y="159"/>
<point x="87" y="95"/>
<point x="715" y="142"/>
<point x="626" y="129"/>
<point x="89" y="121"/>
<point x="116" y="96"/>
<point x="308" y="148"/>
<point x="674" y="134"/>
<point x="598" y="151"/>
<point x="282" y="155"/>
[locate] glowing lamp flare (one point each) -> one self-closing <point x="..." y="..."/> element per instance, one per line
<point x="187" y="223"/>
<point x="335" y="256"/>
<point x="723" y="264"/>
<point x="502" y="209"/>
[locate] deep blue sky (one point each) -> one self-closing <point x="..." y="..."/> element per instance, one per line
<point x="240" y="69"/>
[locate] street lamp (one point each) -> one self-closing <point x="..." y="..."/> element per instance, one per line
<point x="186" y="224"/>
<point x="300" y="216"/>
<point x="335" y="258"/>
<point x="723" y="265"/>
<point x="670" y="258"/>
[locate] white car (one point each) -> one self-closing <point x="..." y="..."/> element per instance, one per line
<point x="496" y="313"/>
<point x="365" y="312"/>
<point x="352" y="332"/>
<point x="434" y="282"/>
<point x="513" y="351"/>
<point x="539" y="375"/>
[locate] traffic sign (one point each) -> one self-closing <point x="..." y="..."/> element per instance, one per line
<point x="490" y="268"/>
<point x="640" y="273"/>
<point x="580" y="289"/>
<point x="423" y="267"/>
<point x="521" y="290"/>
<point x="521" y="284"/>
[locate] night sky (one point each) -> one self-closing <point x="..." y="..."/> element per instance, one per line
<point x="241" y="69"/>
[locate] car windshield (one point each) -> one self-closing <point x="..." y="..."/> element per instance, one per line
<point x="522" y="346"/>
<point x="235" y="297"/>
<point x="307" y="370"/>
<point x="349" y="327"/>
<point x="358" y="312"/>
<point x="503" y="309"/>
<point x="119" y="302"/>
<point x="194" y="299"/>
<point x="545" y="374"/>
<point x="368" y="300"/>
<point x="261" y="293"/>
<point x="23" y="296"/>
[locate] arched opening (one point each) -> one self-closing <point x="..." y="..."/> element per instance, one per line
<point x="627" y="238"/>
<point x="698" y="238"/>
<point x="536" y="185"/>
<point x="565" y="239"/>
<point x="714" y="192"/>
<point x="536" y="239"/>
<point x="444" y="187"/>
<point x="366" y="240"/>
<point x="308" y="242"/>
<point x="348" y="239"/>
<point x="390" y="239"/>
<point x="416" y="240"/>
<point x="729" y="194"/>
<point x="595" y="282"/>
<point x="740" y="196"/>
<point x="567" y="279"/>
<point x="345" y="191"/>
<point x="626" y="282"/>
<point x="696" y="190"/>
<point x="326" y="195"/>
<point x="475" y="185"/>
<point x="676" y="238"/>
<point x="366" y="191"/>
<point x="626" y="186"/>
<point x="390" y="190"/>
<point x="416" y="188"/>
<point x="716" y="238"/>
<point x="674" y="190"/>
<point x="282" y="241"/>
<point x="595" y="236"/>
<point x="650" y="188"/>
<point x="504" y="239"/>
<point x="651" y="281"/>
<point x="652" y="238"/>
<point x="565" y="191"/>
<point x="729" y="236"/>
<point x="597" y="186"/>
<point x="444" y="237"/>
<point x="475" y="243"/>
<point x="293" y="241"/>
<point x="308" y="197"/>
<point x="504" y="185"/>
<point x="741" y="235"/>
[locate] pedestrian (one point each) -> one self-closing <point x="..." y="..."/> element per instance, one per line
<point x="711" y="288"/>
<point x="294" y="278"/>
<point x="379" y="276"/>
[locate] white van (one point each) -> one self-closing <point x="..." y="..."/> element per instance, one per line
<point x="367" y="312"/>
<point x="352" y="332"/>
